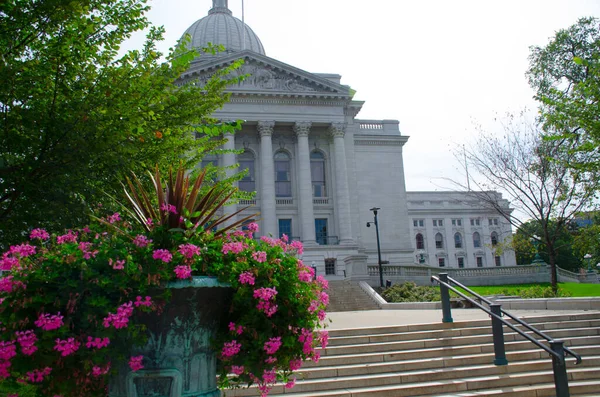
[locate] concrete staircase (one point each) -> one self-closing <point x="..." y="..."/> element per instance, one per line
<point x="345" y="296"/>
<point x="447" y="360"/>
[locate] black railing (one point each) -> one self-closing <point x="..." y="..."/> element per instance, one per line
<point x="557" y="349"/>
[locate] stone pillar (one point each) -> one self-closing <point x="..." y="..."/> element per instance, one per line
<point x="307" y="216"/>
<point x="337" y="130"/>
<point x="267" y="179"/>
<point x="228" y="163"/>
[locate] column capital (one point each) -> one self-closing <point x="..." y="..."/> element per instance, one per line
<point x="302" y="128"/>
<point x="265" y="128"/>
<point x="337" y="130"/>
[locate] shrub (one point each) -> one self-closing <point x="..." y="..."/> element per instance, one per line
<point x="411" y="292"/>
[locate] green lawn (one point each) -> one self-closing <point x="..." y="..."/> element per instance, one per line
<point x="573" y="289"/>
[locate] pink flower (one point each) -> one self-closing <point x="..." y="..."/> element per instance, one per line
<point x="189" y="250"/>
<point x="237" y="370"/>
<point x="231" y="349"/>
<point x="324" y="297"/>
<point x="67" y="347"/>
<point x="8" y="263"/>
<point x="168" y="208"/>
<point x="237" y="329"/>
<point x="269" y="376"/>
<point x="322" y="315"/>
<point x="323" y="338"/>
<point x="322" y="282"/>
<point x="39" y="234"/>
<point x="135" y="363"/>
<point x="141" y="241"/>
<point x="98" y="343"/>
<point x="297" y="245"/>
<point x="22" y="250"/>
<point x="163" y="255"/>
<point x="37" y="376"/>
<point x="70" y="237"/>
<point x="118" y="264"/>
<point x="99" y="371"/>
<point x="284" y="238"/>
<point x="49" y="322"/>
<point x="114" y="218"/>
<point x="272" y="345"/>
<point x="7" y="350"/>
<point x="121" y="319"/>
<point x="182" y="271"/>
<point x="4" y="366"/>
<point x="147" y="302"/>
<point x="305" y="276"/>
<point x="265" y="293"/>
<point x="267" y="307"/>
<point x="259" y="256"/>
<point x="253" y="227"/>
<point x="291" y="383"/>
<point x="295" y="364"/>
<point x="235" y="247"/>
<point x="85" y="248"/>
<point x="270" y="360"/>
<point x="27" y="341"/>
<point x="246" y="278"/>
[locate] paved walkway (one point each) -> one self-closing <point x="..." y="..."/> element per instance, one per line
<point x="378" y="318"/>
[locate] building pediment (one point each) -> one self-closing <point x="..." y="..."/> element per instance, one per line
<point x="267" y="76"/>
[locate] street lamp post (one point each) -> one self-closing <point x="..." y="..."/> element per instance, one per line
<point x="588" y="258"/>
<point x="535" y="240"/>
<point x="375" y="209"/>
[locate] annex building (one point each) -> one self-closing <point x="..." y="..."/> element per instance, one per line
<point x="317" y="168"/>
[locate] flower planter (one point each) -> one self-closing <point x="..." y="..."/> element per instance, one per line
<point x="178" y="358"/>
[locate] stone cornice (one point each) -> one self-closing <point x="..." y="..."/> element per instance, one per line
<point x="379" y="140"/>
<point x="282" y="100"/>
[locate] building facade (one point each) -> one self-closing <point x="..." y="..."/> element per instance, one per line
<point x="456" y="229"/>
<point x="317" y="169"/>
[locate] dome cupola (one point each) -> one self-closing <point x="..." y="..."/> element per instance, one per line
<point x="221" y="27"/>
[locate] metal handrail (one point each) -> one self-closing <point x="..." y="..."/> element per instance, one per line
<point x="523" y="334"/>
<point x="512" y="316"/>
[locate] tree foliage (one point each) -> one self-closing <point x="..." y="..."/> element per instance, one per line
<point x="533" y="175"/>
<point x="566" y="77"/>
<point x="75" y="116"/>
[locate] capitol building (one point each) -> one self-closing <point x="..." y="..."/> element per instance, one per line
<point x="318" y="169"/>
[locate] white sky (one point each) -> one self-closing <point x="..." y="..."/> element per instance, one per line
<point x="437" y="66"/>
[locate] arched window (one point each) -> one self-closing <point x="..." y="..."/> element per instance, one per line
<point x="476" y="240"/>
<point x="317" y="173"/>
<point x="246" y="161"/>
<point x="420" y="242"/>
<point x="494" y="238"/>
<point x="439" y="241"/>
<point x="457" y="240"/>
<point x="283" y="177"/>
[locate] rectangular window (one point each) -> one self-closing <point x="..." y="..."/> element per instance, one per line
<point x="438" y="222"/>
<point x="317" y="171"/>
<point x="442" y="262"/>
<point x="283" y="184"/>
<point x="330" y="266"/>
<point x="247" y="183"/>
<point x="418" y="222"/>
<point x="493" y="221"/>
<point x="285" y="227"/>
<point x="475" y="222"/>
<point x="498" y="261"/>
<point x="456" y="222"/>
<point x="461" y="262"/>
<point x="479" y="261"/>
<point x="321" y="231"/>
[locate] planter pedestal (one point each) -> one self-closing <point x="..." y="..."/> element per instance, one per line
<point x="178" y="359"/>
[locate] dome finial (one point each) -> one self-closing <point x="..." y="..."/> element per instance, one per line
<point x="220" y="6"/>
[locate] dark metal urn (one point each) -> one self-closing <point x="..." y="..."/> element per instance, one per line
<point x="178" y="358"/>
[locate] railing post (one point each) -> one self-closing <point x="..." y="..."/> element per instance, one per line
<point x="445" y="293"/>
<point x="498" y="334"/>
<point x="559" y="366"/>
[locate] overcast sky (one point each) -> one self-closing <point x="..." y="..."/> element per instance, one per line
<point x="437" y="66"/>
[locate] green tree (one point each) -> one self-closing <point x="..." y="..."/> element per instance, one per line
<point x="566" y="77"/>
<point x="75" y="116"/>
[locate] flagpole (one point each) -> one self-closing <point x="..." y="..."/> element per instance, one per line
<point x="243" y="28"/>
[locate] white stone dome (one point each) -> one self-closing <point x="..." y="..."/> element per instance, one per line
<point x="221" y="27"/>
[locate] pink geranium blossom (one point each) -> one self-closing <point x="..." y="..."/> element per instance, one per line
<point x="259" y="256"/>
<point x="141" y="241"/>
<point x="253" y="227"/>
<point x="7" y="350"/>
<point x="114" y="218"/>
<point x="183" y="272"/>
<point x="168" y="208"/>
<point x="67" y="347"/>
<point x="97" y="343"/>
<point x="37" y="376"/>
<point x="49" y="322"/>
<point x="237" y="370"/>
<point x="99" y="371"/>
<point x="231" y="349"/>
<point x="22" y="250"/>
<point x="39" y="234"/>
<point x="246" y="278"/>
<point x="272" y="345"/>
<point x="70" y="237"/>
<point x="27" y="341"/>
<point x="135" y="363"/>
<point x="146" y="302"/>
<point x="121" y="319"/>
<point x="8" y="262"/>
<point x="118" y="264"/>
<point x="189" y="250"/>
<point x="163" y="255"/>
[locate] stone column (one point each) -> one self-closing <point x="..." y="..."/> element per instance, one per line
<point x="228" y="163"/>
<point x="337" y="130"/>
<point x="307" y="216"/>
<point x="267" y="179"/>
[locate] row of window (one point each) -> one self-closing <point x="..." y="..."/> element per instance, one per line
<point x="321" y="231"/>
<point x="460" y="261"/>
<point x="283" y="173"/>
<point x="455" y="222"/>
<point x="458" y="240"/>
